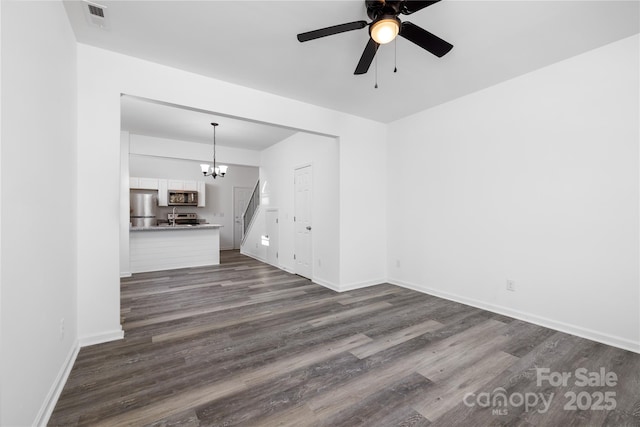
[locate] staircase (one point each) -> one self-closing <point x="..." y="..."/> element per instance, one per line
<point x="250" y="211"/>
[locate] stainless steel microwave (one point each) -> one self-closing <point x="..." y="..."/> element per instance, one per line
<point x="182" y="198"/>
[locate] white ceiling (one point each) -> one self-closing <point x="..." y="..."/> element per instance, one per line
<point x="152" y="118"/>
<point x="253" y="43"/>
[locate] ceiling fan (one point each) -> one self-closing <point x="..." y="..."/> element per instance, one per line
<point x="384" y="27"/>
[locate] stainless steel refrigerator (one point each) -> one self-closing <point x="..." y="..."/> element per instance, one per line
<point x="143" y="205"/>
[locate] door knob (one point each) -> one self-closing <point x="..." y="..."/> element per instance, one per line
<point x="308" y="228"/>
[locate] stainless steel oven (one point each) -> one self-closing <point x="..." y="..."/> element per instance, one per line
<point x="183" y="218"/>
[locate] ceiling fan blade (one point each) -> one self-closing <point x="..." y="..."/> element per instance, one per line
<point x="367" y="57"/>
<point x="329" y="31"/>
<point x="425" y="39"/>
<point x="410" y="6"/>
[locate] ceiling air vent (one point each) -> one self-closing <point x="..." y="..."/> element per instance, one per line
<point x="96" y="11"/>
<point x="96" y="14"/>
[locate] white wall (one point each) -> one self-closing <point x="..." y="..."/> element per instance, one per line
<point x="103" y="76"/>
<point x="219" y="192"/>
<point x="535" y="180"/>
<point x="277" y="187"/>
<point x="38" y="169"/>
<point x="252" y="243"/>
<point x="363" y="206"/>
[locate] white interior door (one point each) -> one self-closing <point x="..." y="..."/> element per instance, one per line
<point x="302" y="222"/>
<point x="272" y="233"/>
<point x="241" y="196"/>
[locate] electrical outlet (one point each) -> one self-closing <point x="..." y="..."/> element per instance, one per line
<point x="511" y="285"/>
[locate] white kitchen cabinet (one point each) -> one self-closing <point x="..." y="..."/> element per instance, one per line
<point x="201" y="187"/>
<point x="148" y="183"/>
<point x="190" y="185"/>
<point x="140" y="183"/>
<point x="175" y="184"/>
<point x="163" y="190"/>
<point x="164" y="185"/>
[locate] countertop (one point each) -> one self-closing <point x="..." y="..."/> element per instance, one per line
<point x="176" y="227"/>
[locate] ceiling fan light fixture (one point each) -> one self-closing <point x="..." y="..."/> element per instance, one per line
<point x="385" y="30"/>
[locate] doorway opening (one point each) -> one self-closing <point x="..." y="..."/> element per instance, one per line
<point x="302" y="221"/>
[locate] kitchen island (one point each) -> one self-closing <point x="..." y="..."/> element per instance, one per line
<point x="167" y="247"/>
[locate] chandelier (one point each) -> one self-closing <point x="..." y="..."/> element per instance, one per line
<point x="215" y="171"/>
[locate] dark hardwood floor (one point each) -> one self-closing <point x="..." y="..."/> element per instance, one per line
<point x="244" y="343"/>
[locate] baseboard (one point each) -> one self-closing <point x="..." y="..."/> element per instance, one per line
<point x="347" y="287"/>
<point x="125" y="274"/>
<point x="284" y="269"/>
<point x="56" y="388"/>
<point x="327" y="284"/>
<point x="589" y="334"/>
<point x="256" y="257"/>
<point x="101" y="338"/>
<point x="359" y="285"/>
<point x="320" y="282"/>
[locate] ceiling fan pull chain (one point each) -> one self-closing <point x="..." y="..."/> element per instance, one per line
<point x="395" y="55"/>
<point x="376" y="65"/>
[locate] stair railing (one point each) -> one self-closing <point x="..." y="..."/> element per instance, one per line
<point x="251" y="209"/>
